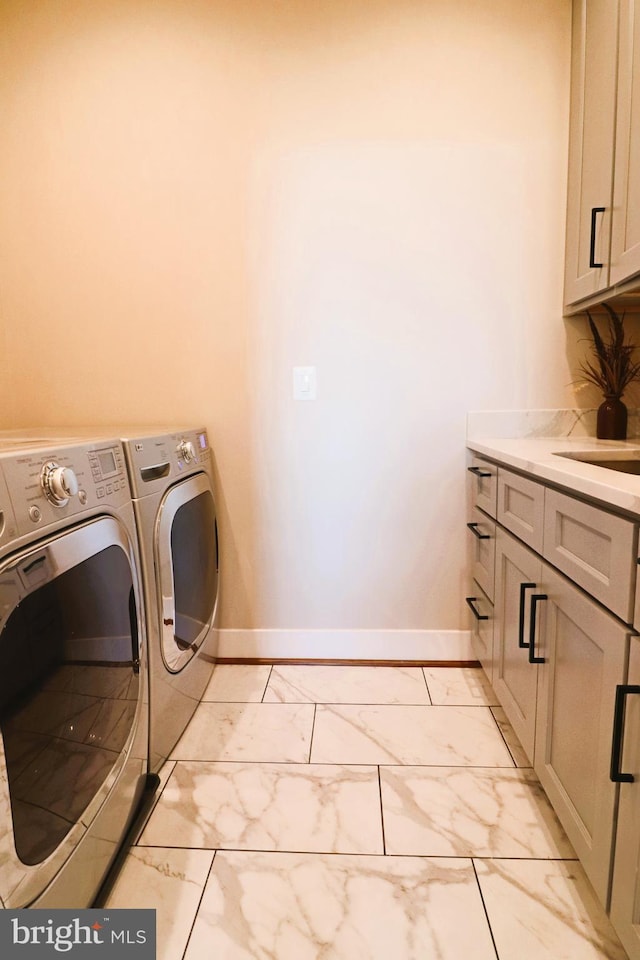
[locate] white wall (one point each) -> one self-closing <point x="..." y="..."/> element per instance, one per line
<point x="196" y="196"/>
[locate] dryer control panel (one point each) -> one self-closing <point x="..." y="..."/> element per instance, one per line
<point x="51" y="483"/>
<point x="156" y="461"/>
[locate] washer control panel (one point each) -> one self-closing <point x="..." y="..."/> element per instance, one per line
<point x="47" y="484"/>
<point x="7" y="518"/>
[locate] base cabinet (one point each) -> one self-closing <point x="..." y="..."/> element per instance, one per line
<point x="558" y="657"/>
<point x="565" y="666"/>
<point x="625" y="893"/>
<point x="584" y="652"/>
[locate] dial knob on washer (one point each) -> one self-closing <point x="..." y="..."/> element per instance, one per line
<point x="187" y="451"/>
<point x="58" y="483"/>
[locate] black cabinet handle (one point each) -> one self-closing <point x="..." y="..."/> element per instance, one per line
<point x="592" y="245"/>
<point x="481" y="536"/>
<point x="522" y="643"/>
<point x="476" y="613"/>
<point x="618" y="724"/>
<point x="535" y="599"/>
<point x="479" y="472"/>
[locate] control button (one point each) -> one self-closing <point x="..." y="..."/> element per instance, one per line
<point x="35" y="513"/>
<point x="82" y="497"/>
<point x="100" y="492"/>
<point x="109" y="488"/>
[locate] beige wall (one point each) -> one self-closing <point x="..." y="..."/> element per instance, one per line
<point x="195" y="197"/>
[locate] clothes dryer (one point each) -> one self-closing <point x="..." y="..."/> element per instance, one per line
<point x="172" y="487"/>
<point x="73" y="682"/>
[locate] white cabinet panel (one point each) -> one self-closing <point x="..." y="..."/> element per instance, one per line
<point x="521" y="507"/>
<point x="482" y="549"/>
<point x="625" y="896"/>
<point x="584" y="650"/>
<point x="625" y="237"/>
<point x="484" y="485"/>
<point x="481" y="627"/>
<point x="591" y="147"/>
<point x="515" y="679"/>
<point x="595" y="548"/>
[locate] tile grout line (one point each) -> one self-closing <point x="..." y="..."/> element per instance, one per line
<point x="266" y="686"/>
<point x="313" y="727"/>
<point x="360" y="853"/>
<point x="504" y="739"/>
<point x="424" y="677"/>
<point x="197" y="910"/>
<point x="484" y="907"/>
<point x="384" y="840"/>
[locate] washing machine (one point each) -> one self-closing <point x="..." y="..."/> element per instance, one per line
<point x="74" y="676"/>
<point x="172" y="486"/>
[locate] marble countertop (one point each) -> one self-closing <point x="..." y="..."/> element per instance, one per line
<point x="540" y="457"/>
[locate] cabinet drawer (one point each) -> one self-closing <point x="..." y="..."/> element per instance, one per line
<point x="485" y="485"/>
<point x="521" y="507"/>
<point x="481" y="626"/>
<point x="482" y="550"/>
<point x="594" y="548"/>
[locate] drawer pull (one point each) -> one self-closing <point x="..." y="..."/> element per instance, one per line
<point x="616" y="774"/>
<point x="592" y="246"/>
<point x="479" y="472"/>
<point x="522" y="643"/>
<point x="535" y="599"/>
<point x="481" y="536"/>
<point x="476" y="613"/>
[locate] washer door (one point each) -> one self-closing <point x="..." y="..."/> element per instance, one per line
<point x="186" y="551"/>
<point x="70" y="693"/>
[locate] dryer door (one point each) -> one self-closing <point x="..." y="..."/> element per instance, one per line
<point x="186" y="553"/>
<point x="70" y="694"/>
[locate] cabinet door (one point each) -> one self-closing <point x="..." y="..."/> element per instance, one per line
<point x="515" y="679"/>
<point x="625" y="896"/>
<point x="625" y="239"/>
<point x="591" y="145"/>
<point x="585" y="656"/>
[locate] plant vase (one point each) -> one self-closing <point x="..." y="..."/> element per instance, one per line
<point x="612" y="420"/>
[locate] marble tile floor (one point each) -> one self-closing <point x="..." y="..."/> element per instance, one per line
<point x="357" y="813"/>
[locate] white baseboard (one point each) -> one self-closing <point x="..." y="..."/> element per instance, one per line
<point x="380" y="645"/>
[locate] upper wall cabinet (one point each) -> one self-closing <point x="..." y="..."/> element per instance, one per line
<point x="591" y="147"/>
<point x="625" y="224"/>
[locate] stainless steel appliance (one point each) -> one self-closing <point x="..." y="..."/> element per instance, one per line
<point x="171" y="481"/>
<point x="74" y="682"/>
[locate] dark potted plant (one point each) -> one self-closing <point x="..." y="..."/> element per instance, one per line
<point x="612" y="369"/>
